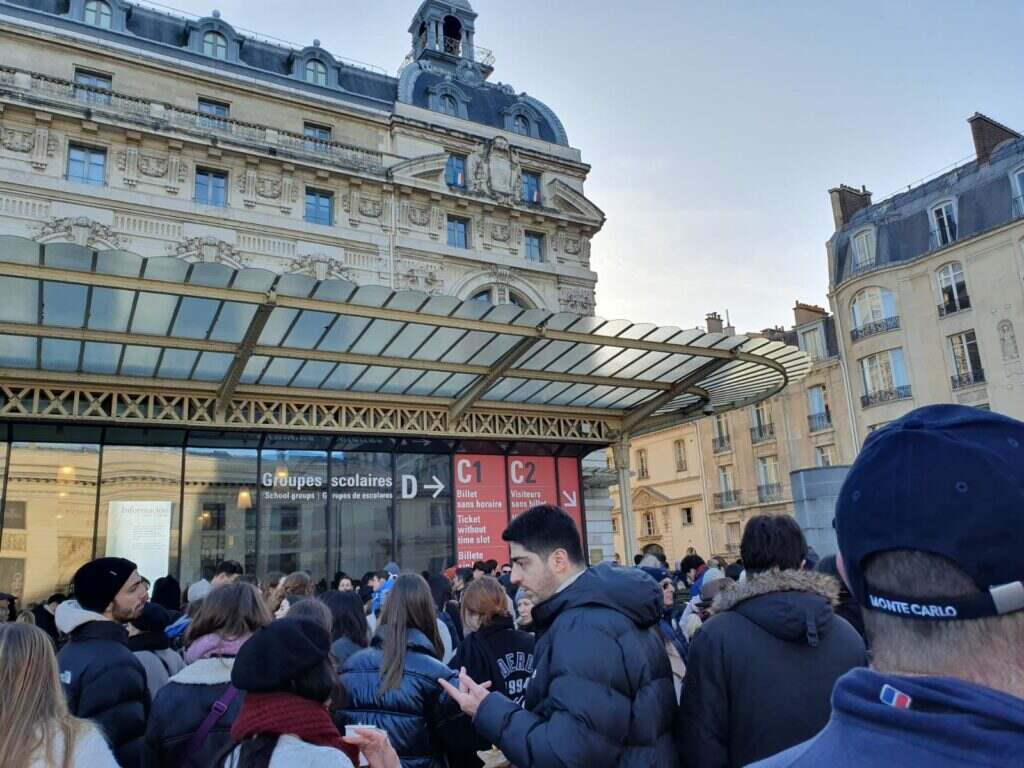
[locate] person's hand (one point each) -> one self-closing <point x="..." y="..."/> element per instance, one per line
<point x="469" y="694"/>
<point x="376" y="747"/>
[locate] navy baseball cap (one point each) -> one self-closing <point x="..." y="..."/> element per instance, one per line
<point x="947" y="480"/>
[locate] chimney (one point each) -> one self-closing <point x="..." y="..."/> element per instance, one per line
<point x="987" y="135"/>
<point x="846" y="201"/>
<point x="807" y="313"/>
<point x="714" y="322"/>
<point x="730" y="329"/>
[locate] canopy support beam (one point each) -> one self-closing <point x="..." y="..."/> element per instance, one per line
<point x="641" y="412"/>
<point x="252" y="334"/>
<point x="501" y="366"/>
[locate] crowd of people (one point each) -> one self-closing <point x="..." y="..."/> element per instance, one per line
<point x="903" y="649"/>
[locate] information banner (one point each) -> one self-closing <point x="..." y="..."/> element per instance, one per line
<point x="141" y="532"/>
<point x="531" y="481"/>
<point x="569" y="496"/>
<point x="481" y="509"/>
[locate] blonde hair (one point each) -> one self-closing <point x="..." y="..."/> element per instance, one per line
<point x="33" y="708"/>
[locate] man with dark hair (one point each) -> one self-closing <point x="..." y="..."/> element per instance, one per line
<point x="929" y="529"/>
<point x="601" y="693"/>
<point x="226" y="572"/>
<point x="760" y="671"/>
<point x="44" y="613"/>
<point x="463" y="576"/>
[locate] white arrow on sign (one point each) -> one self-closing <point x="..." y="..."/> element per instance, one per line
<point x="437" y="486"/>
<point x="570" y="498"/>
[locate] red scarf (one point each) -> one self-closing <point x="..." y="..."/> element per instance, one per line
<point x="280" y="713"/>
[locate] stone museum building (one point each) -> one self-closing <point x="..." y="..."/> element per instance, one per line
<point x="264" y="303"/>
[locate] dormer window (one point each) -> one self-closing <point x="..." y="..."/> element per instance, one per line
<point x="943" y="224"/>
<point x="863" y="250"/>
<point x="97" y="14"/>
<point x="215" y="45"/>
<point x="521" y="125"/>
<point x="316" y="72"/>
<point x="449" y="106"/>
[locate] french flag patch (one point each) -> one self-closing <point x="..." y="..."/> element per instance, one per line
<point x="895" y="698"/>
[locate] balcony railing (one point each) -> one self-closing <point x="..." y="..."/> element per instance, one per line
<point x="969" y="379"/>
<point x="728" y="499"/>
<point x="721" y="444"/>
<point x="935" y="239"/>
<point x="886" y="396"/>
<point x="453" y="46"/>
<point x="962" y="302"/>
<point x="817" y="422"/>
<point x="769" y="492"/>
<point x="875" y="327"/>
<point x="29" y="86"/>
<point x="762" y="433"/>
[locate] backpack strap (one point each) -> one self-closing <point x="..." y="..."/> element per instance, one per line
<point x="220" y="706"/>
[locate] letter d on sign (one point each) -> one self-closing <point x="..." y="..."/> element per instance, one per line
<point x="409" y="487"/>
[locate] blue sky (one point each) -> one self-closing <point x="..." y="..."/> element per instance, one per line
<point x="715" y="129"/>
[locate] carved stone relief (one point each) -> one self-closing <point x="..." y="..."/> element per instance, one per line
<point x="321" y="266"/>
<point x="208" y="249"/>
<point x="576" y="299"/>
<point x="495" y="171"/>
<point x="419" y="276"/>
<point x="370" y="207"/>
<point x="418" y="216"/>
<point x="1008" y="341"/>
<point x="80" y="230"/>
<point x="134" y="163"/>
<point x="36" y="141"/>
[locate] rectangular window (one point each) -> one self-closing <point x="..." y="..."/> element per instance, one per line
<point x="687" y="515"/>
<point x="885" y="374"/>
<point x="458" y="232"/>
<point x="725" y="478"/>
<point x="679" y="448"/>
<point x="1018" y="200"/>
<point x="944" y="223"/>
<point x="768" y="470"/>
<point x="732" y="535"/>
<point x="87" y="83"/>
<point x="455" y="172"/>
<point x="966" y="359"/>
<point x="211" y="187"/>
<point x="816" y="400"/>
<point x="812" y="343"/>
<point x="87" y="165"/>
<point x="318" y="132"/>
<point x="534" y="246"/>
<point x="650" y="525"/>
<point x="721" y="425"/>
<point x="531" y="188"/>
<point x="641" y="463"/>
<point x="319" y="207"/>
<point x="218" y="112"/>
<point x="864" y="250"/>
<point x="823" y="456"/>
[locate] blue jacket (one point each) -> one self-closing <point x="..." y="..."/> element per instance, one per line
<point x="602" y="692"/>
<point x="949" y="724"/>
<point x="418" y="717"/>
<point x="103" y="680"/>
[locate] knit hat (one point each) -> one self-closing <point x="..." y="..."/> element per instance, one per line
<point x="278" y="653"/>
<point x="199" y="590"/>
<point x="154" y="618"/>
<point x="167" y="592"/>
<point x="97" y="582"/>
<point x="655" y="573"/>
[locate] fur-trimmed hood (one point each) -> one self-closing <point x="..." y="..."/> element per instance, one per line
<point x="795" y="606"/>
<point x="213" y="671"/>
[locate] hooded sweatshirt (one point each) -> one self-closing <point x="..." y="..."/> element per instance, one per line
<point x="601" y="694"/>
<point x="941" y="723"/>
<point x="760" y="671"/>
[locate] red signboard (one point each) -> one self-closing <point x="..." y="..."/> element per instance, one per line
<point x="481" y="508"/>
<point x="531" y="481"/>
<point x="569" y="496"/>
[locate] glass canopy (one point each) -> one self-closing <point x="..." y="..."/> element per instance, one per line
<point x="72" y="310"/>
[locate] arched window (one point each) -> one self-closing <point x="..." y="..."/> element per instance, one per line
<point x="97" y="13"/>
<point x="953" y="289"/>
<point x="488" y="296"/>
<point x="521" y="125"/>
<point x="215" y="45"/>
<point x="517" y="300"/>
<point x="485" y="296"/>
<point x="451" y="30"/>
<point x="449" y="106"/>
<point x="873" y="310"/>
<point x="316" y="72"/>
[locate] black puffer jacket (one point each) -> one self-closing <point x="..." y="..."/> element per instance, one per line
<point x="419" y="718"/>
<point x="601" y="693"/>
<point x="761" y="670"/>
<point x="180" y="708"/>
<point x="103" y="680"/>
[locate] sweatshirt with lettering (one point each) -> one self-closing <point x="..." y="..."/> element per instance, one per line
<point x="911" y="722"/>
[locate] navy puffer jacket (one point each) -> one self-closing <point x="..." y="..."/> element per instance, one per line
<point x="602" y="692"/>
<point x="419" y="717"/>
<point x="103" y="680"/>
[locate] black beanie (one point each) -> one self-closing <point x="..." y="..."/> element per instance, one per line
<point x="278" y="653"/>
<point x="97" y="582"/>
<point x="154" y="618"/>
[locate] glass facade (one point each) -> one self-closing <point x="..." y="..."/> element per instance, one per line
<point x="180" y="502"/>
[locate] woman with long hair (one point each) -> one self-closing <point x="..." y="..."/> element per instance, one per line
<point x="288" y="679"/>
<point x="186" y="727"/>
<point x="293" y="588"/>
<point x="269" y="587"/>
<point x="349" y="630"/>
<point x="493" y="650"/>
<point x="393" y="684"/>
<point x="38" y="731"/>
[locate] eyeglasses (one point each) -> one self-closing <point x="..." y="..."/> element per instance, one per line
<point x="667" y="585"/>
